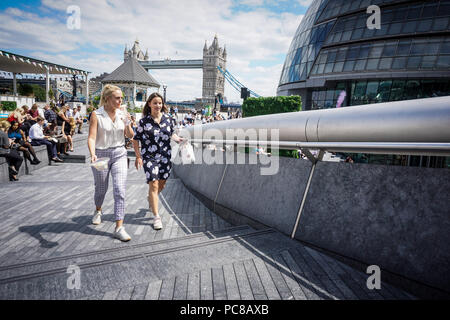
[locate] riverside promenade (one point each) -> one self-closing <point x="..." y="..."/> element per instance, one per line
<point x="46" y="232"/>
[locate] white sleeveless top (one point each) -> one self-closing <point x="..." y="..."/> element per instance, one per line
<point x="109" y="134"/>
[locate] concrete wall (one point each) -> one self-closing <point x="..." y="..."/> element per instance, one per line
<point x="395" y="217"/>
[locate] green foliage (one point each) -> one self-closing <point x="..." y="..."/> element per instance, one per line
<point x="96" y="101"/>
<point x="8" y="105"/>
<point x="39" y="93"/>
<point x="32" y="90"/>
<point x="25" y="90"/>
<point x="269" y="105"/>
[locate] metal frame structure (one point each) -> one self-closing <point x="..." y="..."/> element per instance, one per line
<point x="413" y="127"/>
<point x="235" y="82"/>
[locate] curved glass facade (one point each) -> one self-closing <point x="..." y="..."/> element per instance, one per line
<point x="333" y="50"/>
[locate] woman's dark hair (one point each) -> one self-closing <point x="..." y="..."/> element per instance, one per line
<point x="147" y="109"/>
<point x="12" y="125"/>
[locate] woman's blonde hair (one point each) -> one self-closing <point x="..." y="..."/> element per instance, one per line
<point x="5" y="125"/>
<point x="107" y="92"/>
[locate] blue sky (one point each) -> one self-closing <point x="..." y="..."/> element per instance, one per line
<point x="257" y="35"/>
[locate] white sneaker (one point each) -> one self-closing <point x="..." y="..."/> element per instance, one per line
<point x="157" y="224"/>
<point x="121" y="234"/>
<point x="97" y="219"/>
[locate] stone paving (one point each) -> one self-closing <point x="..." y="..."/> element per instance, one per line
<point x="46" y="227"/>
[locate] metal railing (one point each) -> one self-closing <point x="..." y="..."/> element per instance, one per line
<point x="413" y="127"/>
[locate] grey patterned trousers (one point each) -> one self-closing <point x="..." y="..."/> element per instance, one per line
<point x="118" y="167"/>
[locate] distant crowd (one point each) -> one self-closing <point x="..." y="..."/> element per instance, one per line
<point x="26" y="128"/>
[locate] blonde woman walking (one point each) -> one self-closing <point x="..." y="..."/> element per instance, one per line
<point x="107" y="130"/>
<point x="154" y="131"/>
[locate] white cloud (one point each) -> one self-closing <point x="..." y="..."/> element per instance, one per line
<point x="168" y="28"/>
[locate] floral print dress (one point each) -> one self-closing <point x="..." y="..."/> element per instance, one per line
<point x="155" y="146"/>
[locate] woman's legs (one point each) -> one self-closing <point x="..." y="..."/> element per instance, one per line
<point x="31" y="150"/>
<point x="119" y="171"/>
<point x="155" y="188"/>
<point x="69" y="139"/>
<point x="26" y="153"/>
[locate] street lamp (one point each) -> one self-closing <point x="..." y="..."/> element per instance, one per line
<point x="164" y="87"/>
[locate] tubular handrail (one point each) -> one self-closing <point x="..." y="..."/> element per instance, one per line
<point x="400" y="148"/>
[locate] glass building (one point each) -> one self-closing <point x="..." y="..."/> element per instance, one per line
<point x="333" y="51"/>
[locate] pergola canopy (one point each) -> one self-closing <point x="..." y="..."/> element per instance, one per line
<point x="15" y="63"/>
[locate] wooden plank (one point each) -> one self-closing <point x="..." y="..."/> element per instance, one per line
<point x="231" y="284"/>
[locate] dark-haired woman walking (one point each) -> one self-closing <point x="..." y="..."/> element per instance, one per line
<point x="154" y="133"/>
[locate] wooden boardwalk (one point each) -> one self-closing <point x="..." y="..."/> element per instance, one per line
<point x="46" y="226"/>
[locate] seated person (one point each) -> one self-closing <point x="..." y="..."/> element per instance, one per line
<point x="49" y="114"/>
<point x="69" y="129"/>
<point x="52" y="131"/>
<point x="78" y="118"/>
<point x="23" y="145"/>
<point x="38" y="138"/>
<point x="13" y="158"/>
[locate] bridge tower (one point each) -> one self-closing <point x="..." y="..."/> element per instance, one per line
<point x="213" y="79"/>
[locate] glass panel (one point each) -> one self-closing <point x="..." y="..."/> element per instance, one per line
<point x="372" y="91"/>
<point x="338" y="66"/>
<point x="443" y="62"/>
<point x="348" y="66"/>
<point x="384" y="91"/>
<point x="341" y="54"/>
<point x="424" y="25"/>
<point x="444" y="9"/>
<point x="320" y="68"/>
<point x="323" y="57"/>
<point x="322" y="94"/>
<point x="329" y="95"/>
<point x="372" y="64"/>
<point x="389" y="49"/>
<point x="368" y="33"/>
<point x="350" y="24"/>
<point x="337" y="37"/>
<point x="427" y="88"/>
<point x="432" y="47"/>
<point x="357" y="34"/>
<point x="399" y="63"/>
<point x="414" y="12"/>
<point x="360" y="64"/>
<point x="428" y="62"/>
<point x="397" y="90"/>
<point x="403" y="47"/>
<point x="346" y="35"/>
<point x="359" y="93"/>
<point x="409" y="27"/>
<point x="328" y="67"/>
<point x="385" y="63"/>
<point x="412" y="89"/>
<point x="382" y="31"/>
<point x="361" y="22"/>
<point x="331" y="56"/>
<point x="413" y="62"/>
<point x="354" y="51"/>
<point x="395" y="28"/>
<point x="400" y="14"/>
<point x="376" y="51"/>
<point x="440" y="24"/>
<point x="314" y="69"/>
<point x="364" y="51"/>
<point x="445" y="47"/>
<point x="339" y="25"/>
<point x="419" y="47"/>
<point x="387" y="16"/>
<point x="429" y="10"/>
